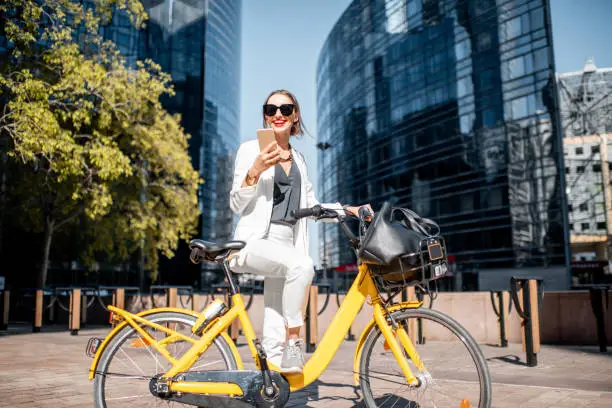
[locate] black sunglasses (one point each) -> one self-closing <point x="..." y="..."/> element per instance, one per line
<point x="286" y="109"/>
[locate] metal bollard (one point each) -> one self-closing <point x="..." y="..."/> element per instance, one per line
<point x="74" y="321"/>
<point x="38" y="311"/>
<point x="312" y="324"/>
<point x="171" y="297"/>
<point x="84" y="309"/>
<point x="499" y="307"/>
<point x="6" y="299"/>
<point x="119" y="298"/>
<point x="596" y="295"/>
<point x="524" y="291"/>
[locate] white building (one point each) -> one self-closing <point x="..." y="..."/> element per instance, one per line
<point x="585" y="100"/>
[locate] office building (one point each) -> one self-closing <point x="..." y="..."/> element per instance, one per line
<point x="197" y="42"/>
<point x="585" y="99"/>
<point x="449" y="107"/>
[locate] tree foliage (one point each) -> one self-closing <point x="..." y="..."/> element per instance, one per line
<point x="90" y="134"/>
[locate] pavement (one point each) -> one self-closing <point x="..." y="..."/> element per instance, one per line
<point x="49" y="369"/>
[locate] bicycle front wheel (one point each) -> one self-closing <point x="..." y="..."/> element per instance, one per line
<point x="455" y="368"/>
<point x="128" y="363"/>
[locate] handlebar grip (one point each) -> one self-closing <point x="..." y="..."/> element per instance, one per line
<point x="304" y="212"/>
<point x="314" y="211"/>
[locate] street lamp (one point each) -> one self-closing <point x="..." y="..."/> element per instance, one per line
<point x="323" y="147"/>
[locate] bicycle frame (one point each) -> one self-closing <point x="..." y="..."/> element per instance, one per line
<point x="362" y="287"/>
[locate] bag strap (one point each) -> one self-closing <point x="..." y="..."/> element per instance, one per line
<point x="425" y="226"/>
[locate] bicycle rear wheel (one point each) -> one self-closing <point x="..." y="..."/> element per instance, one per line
<point x="456" y="369"/>
<point x="128" y="363"/>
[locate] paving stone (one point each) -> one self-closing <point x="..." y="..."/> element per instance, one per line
<point x="50" y="369"/>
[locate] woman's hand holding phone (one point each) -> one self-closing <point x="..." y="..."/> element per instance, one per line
<point x="268" y="157"/>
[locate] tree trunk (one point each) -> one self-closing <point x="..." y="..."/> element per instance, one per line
<point x="3" y="169"/>
<point x="48" y="234"/>
<point x="141" y="267"/>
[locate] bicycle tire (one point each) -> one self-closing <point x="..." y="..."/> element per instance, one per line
<point x="366" y="378"/>
<point x="146" y="398"/>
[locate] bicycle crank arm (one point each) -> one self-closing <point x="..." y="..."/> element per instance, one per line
<point x="249" y="381"/>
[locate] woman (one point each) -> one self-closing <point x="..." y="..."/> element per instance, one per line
<point x="268" y="185"/>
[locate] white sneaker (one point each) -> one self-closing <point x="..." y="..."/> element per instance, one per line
<point x="293" y="357"/>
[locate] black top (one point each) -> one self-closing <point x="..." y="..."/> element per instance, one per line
<point x="286" y="194"/>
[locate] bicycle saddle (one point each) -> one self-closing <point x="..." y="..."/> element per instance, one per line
<point x="208" y="251"/>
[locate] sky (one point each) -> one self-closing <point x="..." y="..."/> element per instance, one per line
<point x="281" y="41"/>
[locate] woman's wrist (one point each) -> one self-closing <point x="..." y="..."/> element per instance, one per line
<point x="252" y="177"/>
<point x="254" y="172"/>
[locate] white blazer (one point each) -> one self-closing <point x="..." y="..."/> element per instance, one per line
<point x="254" y="203"/>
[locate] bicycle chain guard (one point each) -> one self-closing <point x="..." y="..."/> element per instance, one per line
<point x="250" y="381"/>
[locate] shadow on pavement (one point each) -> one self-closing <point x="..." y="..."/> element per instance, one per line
<point x="302" y="397"/>
<point x="311" y="393"/>
<point x="512" y="359"/>
<point x="594" y="350"/>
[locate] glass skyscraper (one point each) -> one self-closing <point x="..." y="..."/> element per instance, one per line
<point x="448" y="107"/>
<point x="198" y="43"/>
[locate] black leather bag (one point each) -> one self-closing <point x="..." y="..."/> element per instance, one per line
<point x="396" y="233"/>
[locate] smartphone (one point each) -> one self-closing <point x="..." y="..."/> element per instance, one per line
<point x="265" y="137"/>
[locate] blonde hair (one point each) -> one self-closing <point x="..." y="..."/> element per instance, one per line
<point x="298" y="128"/>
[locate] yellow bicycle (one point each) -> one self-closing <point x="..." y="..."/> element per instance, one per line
<point x="169" y="356"/>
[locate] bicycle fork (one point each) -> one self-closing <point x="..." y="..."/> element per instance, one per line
<point x="395" y="347"/>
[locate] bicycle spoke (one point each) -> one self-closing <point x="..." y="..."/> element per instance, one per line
<point x="452" y="371"/>
<point x="124" y="378"/>
<point x="207" y="364"/>
<point x="132" y="361"/>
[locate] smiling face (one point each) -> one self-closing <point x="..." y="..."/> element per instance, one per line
<point x="280" y="123"/>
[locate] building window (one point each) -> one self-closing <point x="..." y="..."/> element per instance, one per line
<point x="570" y="208"/>
<point x="585" y="226"/>
<point x="583" y="207"/>
<point x="595" y="149"/>
<point x="597" y="168"/>
<point x="484" y="41"/>
<point x="579" y="150"/>
<point x="601" y="225"/>
<point x="571" y="227"/>
<point x="567" y="170"/>
<point x="580" y="169"/>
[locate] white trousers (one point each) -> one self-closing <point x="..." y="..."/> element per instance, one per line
<point x="288" y="275"/>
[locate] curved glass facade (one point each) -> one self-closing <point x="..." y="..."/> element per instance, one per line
<point x="449" y="108"/>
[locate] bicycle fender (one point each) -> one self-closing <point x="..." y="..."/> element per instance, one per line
<point x="368" y="329"/>
<point x="111" y="335"/>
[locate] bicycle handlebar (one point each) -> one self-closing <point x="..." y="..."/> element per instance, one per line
<point x="306" y="212"/>
<point x="317" y="212"/>
<point x="320" y="213"/>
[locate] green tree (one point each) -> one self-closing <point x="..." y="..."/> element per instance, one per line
<point x="90" y="134"/>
